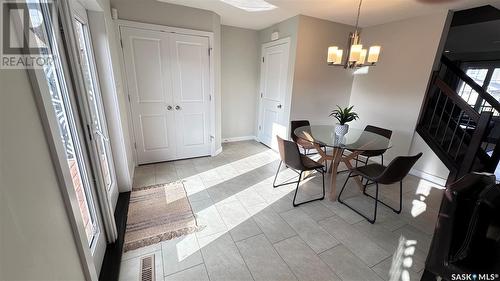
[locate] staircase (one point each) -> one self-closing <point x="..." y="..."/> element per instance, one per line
<point x="462" y="130"/>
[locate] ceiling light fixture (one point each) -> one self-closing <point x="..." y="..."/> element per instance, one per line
<point x="250" y="5"/>
<point x="356" y="56"/>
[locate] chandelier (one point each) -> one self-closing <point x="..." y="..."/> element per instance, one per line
<point x="356" y="55"/>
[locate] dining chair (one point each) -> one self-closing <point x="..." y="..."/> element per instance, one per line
<point x="292" y="158"/>
<point x="395" y="172"/>
<point x="379" y="131"/>
<point x="306" y="145"/>
<point x="367" y="154"/>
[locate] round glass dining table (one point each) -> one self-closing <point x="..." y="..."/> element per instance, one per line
<point x="356" y="141"/>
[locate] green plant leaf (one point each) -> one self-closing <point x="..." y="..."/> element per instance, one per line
<point x="344" y="115"/>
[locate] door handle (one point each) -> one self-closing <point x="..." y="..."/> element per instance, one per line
<point x="169" y="107"/>
<point x="101" y="135"/>
<point x="177" y="107"/>
<point x="279" y="106"/>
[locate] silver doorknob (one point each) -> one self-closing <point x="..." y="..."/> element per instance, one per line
<point x="279" y="105"/>
<point x="177" y="107"/>
<point x="169" y="107"/>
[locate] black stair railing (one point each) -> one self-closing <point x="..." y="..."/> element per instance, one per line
<point x="461" y="135"/>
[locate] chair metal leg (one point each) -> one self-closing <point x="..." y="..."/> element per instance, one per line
<point x="276" y="176"/>
<point x="366" y="163"/>
<point x="397" y="211"/>
<point x="323" y="176"/>
<point x="382" y="155"/>
<point x="297" y="189"/>
<point x="285" y="183"/>
<point x="376" y="204"/>
<point x="343" y="187"/>
<point x="326" y="161"/>
<point x="400" y="197"/>
<point x="295" y="204"/>
<point x="366" y="185"/>
<point x="370" y="220"/>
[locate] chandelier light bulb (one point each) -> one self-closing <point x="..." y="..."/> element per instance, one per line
<point x="355" y="54"/>
<point x="338" y="59"/>
<point x="332" y="54"/>
<point x="373" y="54"/>
<point x="362" y="56"/>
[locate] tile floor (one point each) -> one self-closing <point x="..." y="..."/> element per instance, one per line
<point x="252" y="231"/>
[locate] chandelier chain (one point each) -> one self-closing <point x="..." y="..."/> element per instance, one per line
<point x="359" y="11"/>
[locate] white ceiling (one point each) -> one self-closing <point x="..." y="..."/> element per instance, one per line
<point x="373" y="12"/>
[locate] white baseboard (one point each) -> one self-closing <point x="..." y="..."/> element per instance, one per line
<point x="217" y="152"/>
<point x="238" y="139"/>
<point x="428" y="177"/>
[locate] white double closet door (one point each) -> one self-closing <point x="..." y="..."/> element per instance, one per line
<point x="168" y="76"/>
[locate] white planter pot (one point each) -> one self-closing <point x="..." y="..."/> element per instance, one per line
<point x="341" y="130"/>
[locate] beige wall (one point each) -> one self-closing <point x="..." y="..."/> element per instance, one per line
<point x="161" y="13"/>
<point x="391" y="93"/>
<point x="429" y="165"/>
<point x="36" y="240"/>
<point x="318" y="87"/>
<point x="240" y="81"/>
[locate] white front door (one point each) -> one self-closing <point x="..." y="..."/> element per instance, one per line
<point x="99" y="144"/>
<point x="147" y="66"/>
<point x="191" y="85"/>
<point x="274" y="75"/>
<point x="168" y="76"/>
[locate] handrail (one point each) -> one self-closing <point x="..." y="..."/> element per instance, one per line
<point x="475" y="143"/>
<point x="457" y="139"/>
<point x="450" y="93"/>
<point x="476" y="87"/>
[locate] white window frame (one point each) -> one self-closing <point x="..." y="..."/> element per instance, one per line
<point x="57" y="150"/>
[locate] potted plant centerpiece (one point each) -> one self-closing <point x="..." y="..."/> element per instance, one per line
<point x="344" y="116"/>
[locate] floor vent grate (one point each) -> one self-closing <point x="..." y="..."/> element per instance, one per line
<point x="148" y="268"/>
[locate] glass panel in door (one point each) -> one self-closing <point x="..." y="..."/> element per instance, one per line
<point x="98" y="123"/>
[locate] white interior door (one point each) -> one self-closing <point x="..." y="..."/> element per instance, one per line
<point x="191" y="88"/>
<point x="274" y="75"/>
<point x="147" y="66"/>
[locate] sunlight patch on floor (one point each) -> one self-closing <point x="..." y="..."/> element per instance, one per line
<point x="185" y="247"/>
<point x="402" y="260"/>
<point x="423" y="191"/>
